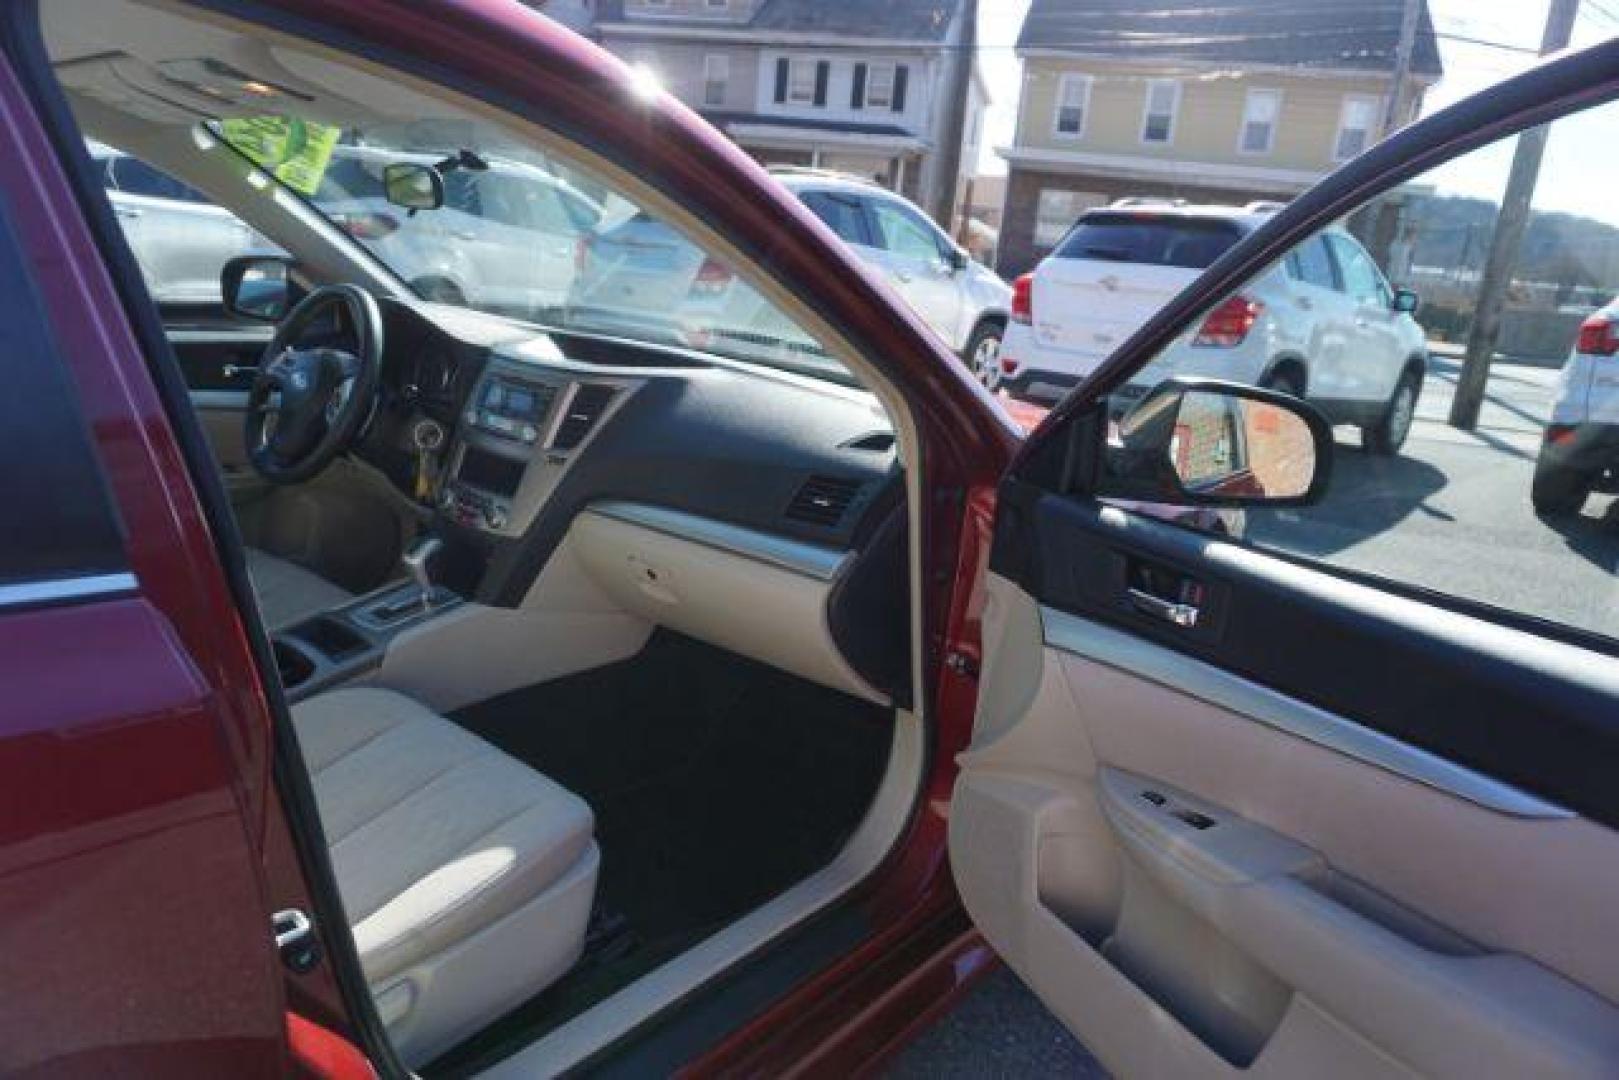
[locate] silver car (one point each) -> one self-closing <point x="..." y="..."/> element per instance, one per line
<point x="180" y="239"/>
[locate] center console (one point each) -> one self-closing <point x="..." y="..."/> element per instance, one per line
<point x="521" y="428"/>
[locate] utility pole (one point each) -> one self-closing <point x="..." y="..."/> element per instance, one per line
<point x="1394" y="104"/>
<point x="941" y="194"/>
<point x="1511" y="221"/>
<point x="1385" y="223"/>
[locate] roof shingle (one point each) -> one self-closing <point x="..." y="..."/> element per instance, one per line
<point x="898" y="20"/>
<point x="1321" y="34"/>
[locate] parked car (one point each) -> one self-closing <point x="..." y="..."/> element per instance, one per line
<point x="720" y="719"/>
<point x="1323" y="325"/>
<point x="504" y="240"/>
<point x="181" y="239"/>
<point x="1579" y="451"/>
<point x="641" y="273"/>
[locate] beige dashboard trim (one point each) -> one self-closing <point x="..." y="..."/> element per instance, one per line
<point x="810" y="560"/>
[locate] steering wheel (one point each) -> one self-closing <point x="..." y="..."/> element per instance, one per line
<point x="307" y="405"/>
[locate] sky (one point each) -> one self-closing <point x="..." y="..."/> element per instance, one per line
<point x="1577" y="174"/>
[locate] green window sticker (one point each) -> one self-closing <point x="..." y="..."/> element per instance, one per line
<point x="295" y="151"/>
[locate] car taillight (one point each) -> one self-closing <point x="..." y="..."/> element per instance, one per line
<point x="366" y="226"/>
<point x="1009" y="366"/>
<point x="1023" y="299"/>
<point x="712" y="278"/>
<point x="1228" y="324"/>
<point x="1597" y="337"/>
<point x="1561" y="434"/>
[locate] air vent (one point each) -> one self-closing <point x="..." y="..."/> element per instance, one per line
<point x="590" y="400"/>
<point x="823" y="500"/>
<point x="874" y="441"/>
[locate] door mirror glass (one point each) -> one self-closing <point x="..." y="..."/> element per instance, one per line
<point x="957" y="259"/>
<point x="1206" y="443"/>
<point x="256" y="287"/>
<point x="412" y="186"/>
<point x="1406" y="301"/>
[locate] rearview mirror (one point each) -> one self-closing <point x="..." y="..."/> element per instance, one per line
<point x="256" y="287"/>
<point x="1202" y="442"/>
<point x="413" y="186"/>
<point x="1405" y="301"/>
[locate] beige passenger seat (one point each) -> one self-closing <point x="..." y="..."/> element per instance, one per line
<point x="467" y="876"/>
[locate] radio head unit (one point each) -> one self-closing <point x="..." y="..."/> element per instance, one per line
<point x="512" y="408"/>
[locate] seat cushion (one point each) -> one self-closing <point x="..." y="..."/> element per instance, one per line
<point x="438" y="839"/>
<point x="287" y="592"/>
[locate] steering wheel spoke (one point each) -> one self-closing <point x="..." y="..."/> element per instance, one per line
<point x="308" y="403"/>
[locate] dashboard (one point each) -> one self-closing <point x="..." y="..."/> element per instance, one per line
<point x="506" y="436"/>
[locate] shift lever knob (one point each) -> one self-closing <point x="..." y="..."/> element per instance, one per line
<point x="418" y="562"/>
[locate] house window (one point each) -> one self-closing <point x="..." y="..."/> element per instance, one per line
<point x="1355" y="124"/>
<point x="716" y="75"/>
<point x="1259" y="115"/>
<point x="1073" y="102"/>
<point x="1163" y="101"/>
<point x="801" y="82"/>
<point x="880" y="85"/>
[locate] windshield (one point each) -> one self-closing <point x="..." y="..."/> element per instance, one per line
<point x="525" y="234"/>
<point x="1191" y="243"/>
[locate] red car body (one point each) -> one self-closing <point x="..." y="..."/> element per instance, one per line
<point x="144" y="843"/>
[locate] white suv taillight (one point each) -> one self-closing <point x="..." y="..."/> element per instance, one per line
<point x="1598" y="337"/>
<point x="1228" y="325"/>
<point x="1023" y="299"/>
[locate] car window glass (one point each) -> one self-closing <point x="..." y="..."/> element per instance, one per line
<point x="134" y="177"/>
<point x="903" y="234"/>
<point x="1311" y="264"/>
<point x="1361" y="279"/>
<point x="1158" y="240"/>
<point x="1505" y="499"/>
<point x="842" y="213"/>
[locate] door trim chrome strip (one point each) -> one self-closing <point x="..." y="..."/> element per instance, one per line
<point x="1183" y="674"/>
<point x="61" y="590"/>
<point x="810" y="560"/>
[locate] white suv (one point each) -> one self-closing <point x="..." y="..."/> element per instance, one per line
<point x="1579" y="452"/>
<point x="1323" y="324"/>
<point x="966" y="303"/>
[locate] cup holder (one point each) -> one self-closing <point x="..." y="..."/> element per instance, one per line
<point x="296" y="668"/>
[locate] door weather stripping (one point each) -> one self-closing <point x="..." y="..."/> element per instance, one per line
<point x="1134" y="656"/>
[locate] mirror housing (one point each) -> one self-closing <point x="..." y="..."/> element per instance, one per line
<point x="1406" y="301"/>
<point x="957" y="259"/>
<point x="257" y="287"/>
<point x="1206" y="442"/>
<point x="413" y="186"/>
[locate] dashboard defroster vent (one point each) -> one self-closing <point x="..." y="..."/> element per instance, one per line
<point x="823" y="500"/>
<point x="590" y="400"/>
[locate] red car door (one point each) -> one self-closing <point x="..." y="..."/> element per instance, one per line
<point x="135" y="745"/>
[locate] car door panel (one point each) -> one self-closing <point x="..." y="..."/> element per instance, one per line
<point x="218" y="364"/>
<point x="1237" y="849"/>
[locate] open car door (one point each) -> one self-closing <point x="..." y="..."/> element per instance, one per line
<point x="1335" y="793"/>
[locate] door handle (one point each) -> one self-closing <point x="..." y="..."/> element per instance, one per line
<point x="230" y="371"/>
<point x="902" y="275"/>
<point x="1173" y="612"/>
<point x="128" y="212"/>
<point x="463" y="234"/>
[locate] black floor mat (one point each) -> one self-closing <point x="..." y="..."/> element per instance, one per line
<point x="717" y="783"/>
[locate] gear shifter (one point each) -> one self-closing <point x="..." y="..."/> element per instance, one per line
<point x="418" y="562"/>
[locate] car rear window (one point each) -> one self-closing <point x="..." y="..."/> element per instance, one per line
<point x="1147" y="238"/>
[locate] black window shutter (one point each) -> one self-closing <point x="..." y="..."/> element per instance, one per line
<point x="822" y="71"/>
<point x="781" y="80"/>
<point x="900" y="74"/>
<point x="858" y="98"/>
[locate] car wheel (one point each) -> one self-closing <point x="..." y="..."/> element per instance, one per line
<point x="1389" y="433"/>
<point x="440" y="291"/>
<point x="983" y="352"/>
<point x="1558" y="490"/>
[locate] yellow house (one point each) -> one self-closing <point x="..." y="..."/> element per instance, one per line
<point x="1215" y="103"/>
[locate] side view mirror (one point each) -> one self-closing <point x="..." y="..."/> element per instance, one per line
<point x="1204" y="442"/>
<point x="1406" y="301"/>
<point x="256" y="287"/>
<point x="957" y="260"/>
<point x="413" y="186"/>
